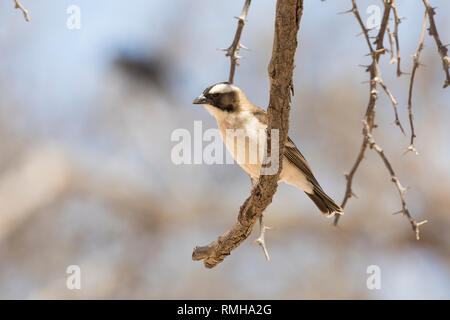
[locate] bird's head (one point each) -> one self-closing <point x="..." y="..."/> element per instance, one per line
<point x="221" y="97"/>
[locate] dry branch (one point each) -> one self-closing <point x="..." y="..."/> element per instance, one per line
<point x="369" y="119"/>
<point x="287" y="21"/>
<point x="416" y="64"/>
<point x="401" y="190"/>
<point x="373" y="96"/>
<point x="18" y="5"/>
<point x="440" y="47"/>
<point x="397" y="21"/>
<point x="233" y="50"/>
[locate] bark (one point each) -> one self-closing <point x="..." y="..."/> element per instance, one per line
<point x="281" y="66"/>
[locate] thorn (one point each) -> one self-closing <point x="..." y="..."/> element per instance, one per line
<point x="243" y="47"/>
<point x="411" y="148"/>
<point x="364" y="65"/>
<point x="345" y="12"/>
<point x="421" y="223"/>
<point x="261" y="240"/>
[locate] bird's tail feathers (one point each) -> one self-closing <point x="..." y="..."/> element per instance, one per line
<point x="325" y="204"/>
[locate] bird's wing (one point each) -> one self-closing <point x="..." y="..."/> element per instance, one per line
<point x="320" y="198"/>
<point x="291" y="151"/>
<point x="295" y="157"/>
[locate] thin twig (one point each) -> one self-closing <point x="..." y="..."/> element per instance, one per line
<point x="18" y="5"/>
<point x="369" y="119"/>
<point x="262" y="229"/>
<point x="397" y="21"/>
<point x="391" y="45"/>
<point x="373" y="95"/>
<point x="416" y="64"/>
<point x="401" y="190"/>
<point x="262" y="239"/>
<point x="440" y="47"/>
<point x="233" y="50"/>
<point x="394" y="103"/>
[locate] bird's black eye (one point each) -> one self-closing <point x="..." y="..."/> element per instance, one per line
<point x="214" y="95"/>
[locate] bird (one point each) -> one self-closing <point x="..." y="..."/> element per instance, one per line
<point x="233" y="111"/>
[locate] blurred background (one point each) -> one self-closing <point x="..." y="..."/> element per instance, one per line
<point x="86" y="176"/>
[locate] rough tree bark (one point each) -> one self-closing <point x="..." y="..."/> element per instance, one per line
<point x="281" y="66"/>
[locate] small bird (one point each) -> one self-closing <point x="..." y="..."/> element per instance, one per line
<point x="233" y="111"/>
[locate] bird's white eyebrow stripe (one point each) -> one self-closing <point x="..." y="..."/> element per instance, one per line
<point x="221" y="88"/>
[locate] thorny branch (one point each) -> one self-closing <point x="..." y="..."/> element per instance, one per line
<point x="18" y="5"/>
<point x="397" y="21"/>
<point x="262" y="239"/>
<point x="368" y="121"/>
<point x="233" y="50"/>
<point x="401" y="189"/>
<point x="416" y="64"/>
<point x="287" y="22"/>
<point x="441" y="48"/>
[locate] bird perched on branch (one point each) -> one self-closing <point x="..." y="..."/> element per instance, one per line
<point x="233" y="111"/>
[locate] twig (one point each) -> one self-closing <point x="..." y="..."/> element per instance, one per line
<point x="441" y="48"/>
<point x="262" y="229"/>
<point x="373" y="95"/>
<point x="401" y="190"/>
<point x="18" y="5"/>
<point x="397" y="21"/>
<point x="349" y="177"/>
<point x="261" y="239"/>
<point x="369" y="119"/>
<point x="233" y="50"/>
<point x="391" y="45"/>
<point x="416" y="64"/>
<point x="393" y="101"/>
<point x="287" y="22"/>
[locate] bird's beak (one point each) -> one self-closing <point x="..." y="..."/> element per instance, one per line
<point x="201" y="99"/>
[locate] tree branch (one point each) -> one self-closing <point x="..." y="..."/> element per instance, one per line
<point x="441" y="48"/>
<point x="401" y="190"/>
<point x="233" y="50"/>
<point x="287" y="21"/>
<point x="416" y="64"/>
<point x="373" y="94"/>
<point x="397" y="21"/>
<point x="369" y="119"/>
<point x="18" y="5"/>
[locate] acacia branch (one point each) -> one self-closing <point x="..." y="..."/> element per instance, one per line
<point x="440" y="47"/>
<point x="287" y="21"/>
<point x="391" y="45"/>
<point x="18" y="5"/>
<point x="369" y="119"/>
<point x="373" y="94"/>
<point x="233" y="50"/>
<point x="394" y="34"/>
<point x="401" y="190"/>
<point x="416" y="64"/>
